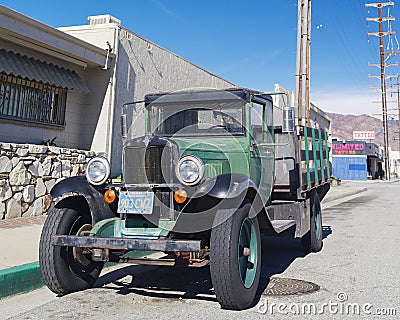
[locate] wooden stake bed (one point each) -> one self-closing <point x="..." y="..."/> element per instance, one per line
<point x="315" y="168"/>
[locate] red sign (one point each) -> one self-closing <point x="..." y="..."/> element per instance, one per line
<point x="364" y="135"/>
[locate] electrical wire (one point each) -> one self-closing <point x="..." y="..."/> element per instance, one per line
<point x="349" y="49"/>
<point x="341" y="34"/>
<point x="364" y="25"/>
<point x="389" y="63"/>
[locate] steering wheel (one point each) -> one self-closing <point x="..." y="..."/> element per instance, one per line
<point x="218" y="126"/>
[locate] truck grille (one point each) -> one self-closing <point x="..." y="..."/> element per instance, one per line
<point x="151" y="165"/>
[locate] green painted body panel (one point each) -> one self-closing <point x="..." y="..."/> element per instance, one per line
<point x="116" y="227"/>
<point x="164" y="226"/>
<point x="104" y="228"/>
<point x="219" y="154"/>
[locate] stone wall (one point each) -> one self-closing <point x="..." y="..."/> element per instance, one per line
<point x="28" y="172"/>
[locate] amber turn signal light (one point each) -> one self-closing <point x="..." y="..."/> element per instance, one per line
<point x="110" y="196"/>
<point x="180" y="196"/>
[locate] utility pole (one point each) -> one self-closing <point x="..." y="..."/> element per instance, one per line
<point x="308" y="64"/>
<point x="299" y="62"/>
<point x="303" y="62"/>
<point x="381" y="34"/>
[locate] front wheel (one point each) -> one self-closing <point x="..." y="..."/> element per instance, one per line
<point x="66" y="269"/>
<point x="235" y="258"/>
<point x="312" y="240"/>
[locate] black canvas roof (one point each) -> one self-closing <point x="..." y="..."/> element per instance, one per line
<point x="204" y="95"/>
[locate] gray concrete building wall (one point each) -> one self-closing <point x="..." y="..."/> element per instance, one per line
<point x="141" y="67"/>
<point x="144" y="67"/>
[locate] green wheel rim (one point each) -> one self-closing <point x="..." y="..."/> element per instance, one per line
<point x="247" y="259"/>
<point x="318" y="223"/>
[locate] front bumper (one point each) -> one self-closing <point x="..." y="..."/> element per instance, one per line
<point x="128" y="244"/>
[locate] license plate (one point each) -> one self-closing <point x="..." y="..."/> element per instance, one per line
<point x="136" y="202"/>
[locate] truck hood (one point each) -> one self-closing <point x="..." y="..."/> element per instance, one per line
<point x="219" y="155"/>
<point x="211" y="145"/>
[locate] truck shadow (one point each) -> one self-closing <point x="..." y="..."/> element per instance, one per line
<point x="160" y="282"/>
<point x="171" y="283"/>
<point x="278" y="254"/>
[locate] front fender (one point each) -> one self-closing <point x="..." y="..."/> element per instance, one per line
<point x="226" y="186"/>
<point x="78" y="186"/>
<point x="223" y="191"/>
<point x="226" y="191"/>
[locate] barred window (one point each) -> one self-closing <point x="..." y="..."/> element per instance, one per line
<point x="31" y="101"/>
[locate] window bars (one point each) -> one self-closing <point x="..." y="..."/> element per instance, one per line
<point x="31" y="101"/>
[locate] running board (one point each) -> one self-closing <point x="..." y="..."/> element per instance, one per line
<point x="282" y="225"/>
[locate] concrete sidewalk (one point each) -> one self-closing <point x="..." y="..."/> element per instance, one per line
<point x="19" y="250"/>
<point x="19" y="246"/>
<point x="20" y="241"/>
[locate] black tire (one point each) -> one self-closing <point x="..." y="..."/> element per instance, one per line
<point x="312" y="240"/>
<point x="61" y="272"/>
<point x="230" y="289"/>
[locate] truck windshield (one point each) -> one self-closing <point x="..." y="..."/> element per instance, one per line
<point x="210" y="118"/>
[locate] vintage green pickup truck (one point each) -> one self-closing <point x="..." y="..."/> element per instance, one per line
<point x="211" y="174"/>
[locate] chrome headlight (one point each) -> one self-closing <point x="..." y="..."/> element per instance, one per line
<point x="190" y="170"/>
<point x="97" y="171"/>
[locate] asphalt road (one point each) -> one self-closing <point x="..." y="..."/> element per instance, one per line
<point x="357" y="272"/>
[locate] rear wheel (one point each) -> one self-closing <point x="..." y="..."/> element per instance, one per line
<point x="312" y="240"/>
<point x="66" y="269"/>
<point x="235" y="258"/>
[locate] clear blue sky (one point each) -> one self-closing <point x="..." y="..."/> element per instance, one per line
<point x="251" y="43"/>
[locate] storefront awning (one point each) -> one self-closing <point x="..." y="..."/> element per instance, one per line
<point x="28" y="68"/>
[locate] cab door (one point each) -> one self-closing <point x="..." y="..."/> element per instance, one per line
<point x="262" y="146"/>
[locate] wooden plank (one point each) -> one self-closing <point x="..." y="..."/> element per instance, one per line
<point x="314" y="147"/>
<point x="327" y="154"/>
<point x="307" y="155"/>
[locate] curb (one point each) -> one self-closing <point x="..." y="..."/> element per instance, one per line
<point x="20" y="279"/>
<point x="347" y="194"/>
<point x="25" y="278"/>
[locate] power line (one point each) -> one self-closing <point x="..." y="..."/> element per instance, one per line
<point x="341" y="33"/>
<point x="360" y="15"/>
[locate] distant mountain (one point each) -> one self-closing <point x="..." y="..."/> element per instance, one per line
<point x="344" y="125"/>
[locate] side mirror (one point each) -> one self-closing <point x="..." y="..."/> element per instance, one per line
<point x="288" y="125"/>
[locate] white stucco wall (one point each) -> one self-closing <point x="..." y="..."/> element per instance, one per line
<point x="99" y="104"/>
